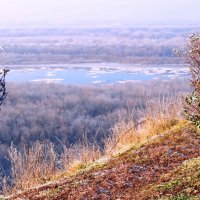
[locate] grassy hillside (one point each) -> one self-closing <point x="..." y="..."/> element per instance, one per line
<point x="161" y="166"/>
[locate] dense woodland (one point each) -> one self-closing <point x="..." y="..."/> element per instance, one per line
<point x="65" y="114"/>
<point x="125" y="45"/>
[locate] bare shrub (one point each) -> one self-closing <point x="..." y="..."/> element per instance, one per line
<point x="192" y="101"/>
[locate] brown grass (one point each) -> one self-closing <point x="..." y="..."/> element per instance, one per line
<point x="40" y="163"/>
<point x="32" y="166"/>
<point x="78" y="157"/>
<point x="161" y="116"/>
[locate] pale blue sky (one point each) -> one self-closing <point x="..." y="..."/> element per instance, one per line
<point x="66" y="11"/>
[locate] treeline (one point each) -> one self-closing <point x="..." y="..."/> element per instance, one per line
<point x="129" y="45"/>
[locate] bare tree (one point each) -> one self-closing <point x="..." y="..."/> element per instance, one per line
<point x="192" y="101"/>
<point x="3" y="92"/>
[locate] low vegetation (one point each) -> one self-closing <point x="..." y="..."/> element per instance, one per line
<point x="181" y="183"/>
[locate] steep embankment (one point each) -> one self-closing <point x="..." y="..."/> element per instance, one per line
<point x="164" y="167"/>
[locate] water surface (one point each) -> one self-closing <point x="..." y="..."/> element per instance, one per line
<point x="94" y="73"/>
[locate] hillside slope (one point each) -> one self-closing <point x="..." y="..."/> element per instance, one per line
<point x="166" y="166"/>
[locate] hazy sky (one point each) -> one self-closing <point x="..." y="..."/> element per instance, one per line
<point x="65" y="11"/>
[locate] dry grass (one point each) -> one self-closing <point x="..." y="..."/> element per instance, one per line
<point x="40" y="163"/>
<point x="79" y="156"/>
<point x="32" y="166"/>
<point x="161" y="116"/>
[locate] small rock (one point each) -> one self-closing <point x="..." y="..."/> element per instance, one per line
<point x="128" y="184"/>
<point x="139" y="178"/>
<point x="137" y="169"/>
<point x="100" y="173"/>
<point x="111" y="183"/>
<point x="102" y="190"/>
<point x="170" y="152"/>
<point x="180" y="155"/>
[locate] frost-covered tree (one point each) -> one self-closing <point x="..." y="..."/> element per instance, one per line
<point x="3" y="92"/>
<point x="192" y="101"/>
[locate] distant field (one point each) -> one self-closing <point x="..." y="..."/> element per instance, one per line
<point x="115" y="45"/>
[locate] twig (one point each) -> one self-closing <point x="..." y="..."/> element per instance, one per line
<point x="133" y="127"/>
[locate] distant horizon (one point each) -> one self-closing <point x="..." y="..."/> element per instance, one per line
<point x="99" y="24"/>
<point x="52" y="13"/>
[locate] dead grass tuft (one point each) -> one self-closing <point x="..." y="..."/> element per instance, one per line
<point x="41" y="163"/>
<point x="161" y="116"/>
